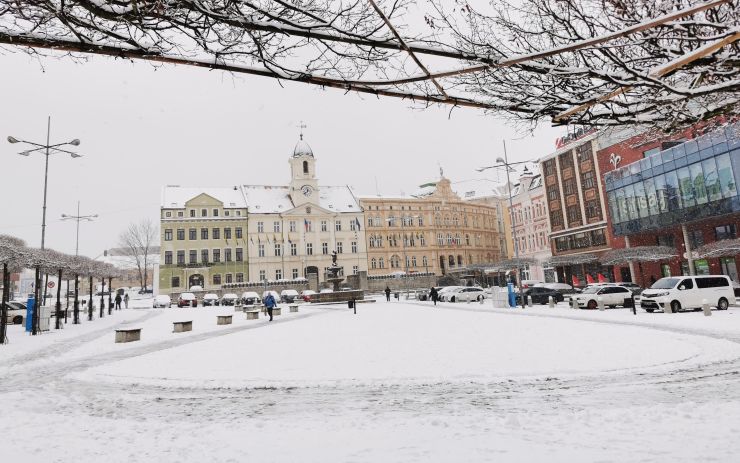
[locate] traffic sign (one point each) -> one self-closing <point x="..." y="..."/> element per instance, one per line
<point x="50" y="284"/>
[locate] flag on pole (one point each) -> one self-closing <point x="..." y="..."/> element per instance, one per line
<point x="358" y="223"/>
<point x="575" y="281"/>
<point x="589" y="279"/>
<point x="305" y="224"/>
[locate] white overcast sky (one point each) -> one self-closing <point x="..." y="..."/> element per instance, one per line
<point x="142" y="127"/>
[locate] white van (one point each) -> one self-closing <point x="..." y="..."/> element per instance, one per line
<point x="681" y="293"/>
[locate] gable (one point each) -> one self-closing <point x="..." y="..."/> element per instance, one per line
<point x="203" y="199"/>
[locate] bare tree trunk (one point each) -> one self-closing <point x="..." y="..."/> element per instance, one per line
<point x="90" y="302"/>
<point x="58" y="322"/>
<point x="4" y="307"/>
<point x="102" y="297"/>
<point x="110" y="293"/>
<point x="76" y="304"/>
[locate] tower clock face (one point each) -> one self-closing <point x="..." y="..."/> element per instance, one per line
<point x="306" y="190"/>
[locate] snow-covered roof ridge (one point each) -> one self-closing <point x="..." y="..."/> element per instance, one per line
<point x="176" y="196"/>
<point x="271" y="199"/>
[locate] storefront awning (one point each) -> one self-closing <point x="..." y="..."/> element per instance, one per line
<point x="638" y="254"/>
<point x="722" y="248"/>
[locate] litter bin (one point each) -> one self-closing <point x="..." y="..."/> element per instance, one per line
<point x="397" y="295"/>
<point x="44" y="318"/>
<point x="351" y="304"/>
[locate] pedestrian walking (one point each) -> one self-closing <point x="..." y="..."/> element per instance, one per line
<point x="387" y="294"/>
<point x="270" y="304"/>
<point x="118" y="302"/>
<point x="125" y="300"/>
<point x="434" y="295"/>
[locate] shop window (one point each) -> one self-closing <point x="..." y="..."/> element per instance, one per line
<point x="725" y="232"/>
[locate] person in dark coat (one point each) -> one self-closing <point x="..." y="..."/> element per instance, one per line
<point x="270" y="304"/>
<point x="387" y="294"/>
<point x="434" y="295"/>
<point x="118" y="301"/>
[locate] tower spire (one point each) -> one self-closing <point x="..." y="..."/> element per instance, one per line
<point x="302" y="126"/>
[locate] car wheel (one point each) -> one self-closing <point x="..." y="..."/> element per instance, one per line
<point x="592" y="305"/>
<point x="479" y="298"/>
<point x="649" y="310"/>
<point x="723" y="304"/>
<point x="452" y="299"/>
<point x="18" y="320"/>
<point x="675" y="306"/>
<point x="612" y="306"/>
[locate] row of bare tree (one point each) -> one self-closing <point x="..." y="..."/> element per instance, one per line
<point x="15" y="256"/>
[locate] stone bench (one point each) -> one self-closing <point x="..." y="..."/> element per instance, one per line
<point x="252" y="314"/>
<point x="223" y="319"/>
<point x="276" y="311"/>
<point x="181" y="327"/>
<point x="293" y="307"/>
<point x="128" y="335"/>
<point x="248" y="308"/>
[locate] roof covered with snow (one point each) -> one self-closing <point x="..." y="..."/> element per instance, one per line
<point x="479" y="189"/>
<point x="266" y="199"/>
<point x="175" y="196"/>
<point x="302" y="149"/>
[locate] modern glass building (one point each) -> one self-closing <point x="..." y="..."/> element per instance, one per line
<point x="695" y="180"/>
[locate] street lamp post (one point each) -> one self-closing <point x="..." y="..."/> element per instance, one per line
<point x="504" y="162"/>
<point x="45" y="149"/>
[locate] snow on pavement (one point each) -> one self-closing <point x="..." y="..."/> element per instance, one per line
<point x="399" y="382"/>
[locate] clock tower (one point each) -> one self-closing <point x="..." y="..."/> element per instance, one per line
<point x="303" y="183"/>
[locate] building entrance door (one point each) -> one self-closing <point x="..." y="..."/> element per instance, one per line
<point x="729" y="267"/>
<point x="624" y="273"/>
<point x="195" y="280"/>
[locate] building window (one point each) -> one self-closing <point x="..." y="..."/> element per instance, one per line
<point x="179" y="213"/>
<point x="295" y="273"/>
<point x="355" y="269"/>
<point x="337" y="225"/>
<point x="240" y="278"/>
<point x="192" y="212"/>
<point x="204" y="233"/>
<point x="353" y="224"/>
<point x="373" y="263"/>
<point x="263" y="275"/>
<point x="260" y="227"/>
<point x="309" y="249"/>
<point x="292" y="226"/>
<point x="227" y="255"/>
<point x="226" y="213"/>
<point x="553" y="193"/>
<point x="574" y="214"/>
<point x="261" y="250"/>
<point x="216" y="233"/>
<point x="381" y="263"/>
<point x="229" y="278"/>
<point x="180" y="257"/>
<point x="308" y="225"/>
<point x="305" y="167"/>
<point x="413" y="261"/>
<point x="217" y="279"/>
<point x="278" y="250"/>
<point x="650" y="152"/>
<point x="193" y="256"/>
<point x="239" y="254"/>
<point x="276" y="227"/>
<point x="593" y="209"/>
<point x="192" y="234"/>
<point x="215" y="212"/>
<point x="556" y="219"/>
<point x="278" y="274"/>
<point x="175" y="282"/>
<point x="216" y="256"/>
<point x="324" y="225"/>
<point x="168" y="257"/>
<point x="339" y="247"/>
<point x="227" y="233"/>
<point x="293" y="249"/>
<point x="587" y="180"/>
<point x="168" y="234"/>
<point x="204" y="212"/>
<point x="570" y="187"/>
<point x="549" y="167"/>
<point x="238" y="232"/>
<point x="696" y="238"/>
<point x="204" y="256"/>
<point x="324" y="248"/>
<point x="665" y="240"/>
<point x="424" y="261"/>
<point x="566" y="160"/>
<point x="180" y="234"/>
<point x="584" y="152"/>
<point x="168" y="214"/>
<point x="725" y="232"/>
<point x="353" y="246"/>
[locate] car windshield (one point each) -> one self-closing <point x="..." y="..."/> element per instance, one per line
<point x="665" y="283"/>
<point x="591" y="290"/>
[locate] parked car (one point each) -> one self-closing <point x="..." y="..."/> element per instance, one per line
<point x="275" y="294"/>
<point x="306" y="294"/>
<point x="681" y="293"/>
<point x="210" y="299"/>
<point x="163" y="301"/>
<point x="541" y="295"/>
<point x="288" y="295"/>
<point x="250" y="298"/>
<point x="146" y="291"/>
<point x="446" y="291"/>
<point x="530" y="283"/>
<point x="229" y="299"/>
<point x="612" y="295"/>
<point x="634" y="287"/>
<point x="16" y="313"/>
<point x="562" y="288"/>
<point x="187" y="300"/>
<point x="466" y="294"/>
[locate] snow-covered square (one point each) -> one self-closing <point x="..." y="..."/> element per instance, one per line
<point x="401" y="381"/>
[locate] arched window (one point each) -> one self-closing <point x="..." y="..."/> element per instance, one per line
<point x="422" y="240"/>
<point x="451" y="261"/>
<point x="424" y="261"/>
<point x="381" y="263"/>
<point x="459" y="260"/>
<point x="373" y="263"/>
<point x="413" y="261"/>
<point x="376" y="221"/>
<point x="467" y="239"/>
<point x="442" y="263"/>
<point x="447" y="220"/>
<point x="395" y="261"/>
<point x="305" y="167"/>
<point x="456" y="221"/>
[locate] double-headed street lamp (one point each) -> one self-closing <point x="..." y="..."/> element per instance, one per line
<point x="77" y="218"/>
<point x="46" y="149"/>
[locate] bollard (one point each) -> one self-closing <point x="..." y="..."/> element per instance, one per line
<point x="550" y="302"/>
<point x="573" y="303"/>
<point x="468" y="301"/>
<point x="529" y="300"/>
<point x="600" y="300"/>
<point x="667" y="308"/>
<point x="482" y="300"/>
<point x="705" y="307"/>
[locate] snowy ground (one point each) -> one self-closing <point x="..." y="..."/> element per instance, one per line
<point x="399" y="381"/>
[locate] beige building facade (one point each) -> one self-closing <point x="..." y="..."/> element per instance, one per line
<point x="434" y="231"/>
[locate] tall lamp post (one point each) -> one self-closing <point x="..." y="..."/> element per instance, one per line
<point x="78" y="218"/>
<point x="46" y="149"/>
<point x="504" y="162"/>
